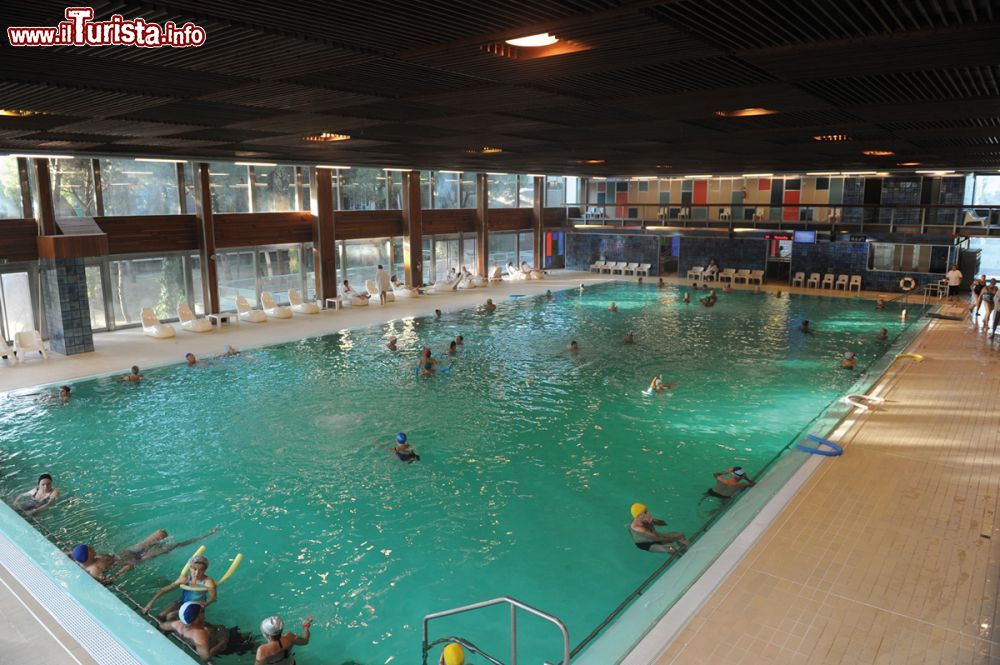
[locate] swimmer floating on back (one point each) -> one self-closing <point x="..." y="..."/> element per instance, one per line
<point x="646" y="537"/>
<point x="149" y="548"/>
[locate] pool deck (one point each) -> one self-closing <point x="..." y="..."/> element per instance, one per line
<point x="38" y="633"/>
<point x="886" y="554"/>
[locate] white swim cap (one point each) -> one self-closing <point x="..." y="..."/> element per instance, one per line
<point x="739" y="472"/>
<point x="272" y="626"/>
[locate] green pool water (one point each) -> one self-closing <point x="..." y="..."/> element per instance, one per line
<point x="531" y="457"/>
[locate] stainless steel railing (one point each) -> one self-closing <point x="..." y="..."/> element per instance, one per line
<point x="514" y="605"/>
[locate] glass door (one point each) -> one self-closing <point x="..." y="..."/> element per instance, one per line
<point x="17" y="311"/>
<point x="96" y="296"/>
<point x="447" y="255"/>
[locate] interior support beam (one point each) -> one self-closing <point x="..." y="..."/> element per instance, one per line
<point x="538" y="222"/>
<point x="324" y="230"/>
<point x="482" y="224"/>
<point x="413" y="230"/>
<point x="44" y="210"/>
<point x="206" y="238"/>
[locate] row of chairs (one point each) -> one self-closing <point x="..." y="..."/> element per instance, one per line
<point x="731" y="275"/>
<point x="611" y="267"/>
<point x="25" y="342"/>
<point x="845" y="282"/>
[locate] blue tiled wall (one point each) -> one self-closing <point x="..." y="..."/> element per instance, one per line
<point x="854" y="194"/>
<point x="738" y="253"/>
<point x="952" y="192"/>
<point x="850" y="258"/>
<point x="583" y="249"/>
<point x="67" y="307"/>
<point x="901" y="191"/>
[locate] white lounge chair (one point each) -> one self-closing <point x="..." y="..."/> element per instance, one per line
<point x="531" y="273"/>
<point x="828" y="280"/>
<point x="799" y="279"/>
<point x="28" y="341"/>
<point x="353" y="299"/>
<point x="190" y="322"/>
<point x="756" y="276"/>
<point x="695" y="272"/>
<point x="444" y="286"/>
<point x="494" y="274"/>
<point x="643" y="268"/>
<point x="152" y="327"/>
<point x="473" y="281"/>
<point x="248" y="313"/>
<point x="7" y="352"/>
<point x="273" y="309"/>
<point x="373" y="291"/>
<point x="855" y="282"/>
<point x="727" y="275"/>
<point x="841" y="283"/>
<point x="609" y="267"/>
<point x="299" y="305"/>
<point x="514" y="273"/>
<point x="743" y="274"/>
<point x="629" y="268"/>
<point x="813" y="281"/>
<point x="597" y="265"/>
<point x="402" y="291"/>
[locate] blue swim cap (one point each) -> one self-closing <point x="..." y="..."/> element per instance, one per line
<point x="188" y="613"/>
<point x="80" y="553"/>
<point x="401" y="437"/>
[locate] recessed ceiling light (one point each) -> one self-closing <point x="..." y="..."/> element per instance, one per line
<point x="758" y="175"/>
<point x="590" y="161"/>
<point x="857" y="173"/>
<point x="832" y="138"/>
<point x="166" y="161"/>
<point x="936" y="172"/>
<point x="908" y="164"/>
<point x="488" y="173"/>
<point x="255" y="164"/>
<point x="826" y="173"/>
<point x="543" y="39"/>
<point x="327" y="137"/>
<point x="485" y="150"/>
<point x="396" y="170"/>
<point x="137" y="173"/>
<point x="17" y="113"/>
<point x="458" y="172"/>
<point x="664" y="166"/>
<point x="745" y="113"/>
<point x="878" y="153"/>
<point x="328" y="166"/>
<point x="697" y="177"/>
<point x="40" y="156"/>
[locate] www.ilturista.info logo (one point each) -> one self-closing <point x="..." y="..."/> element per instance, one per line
<point x="79" y="29"/>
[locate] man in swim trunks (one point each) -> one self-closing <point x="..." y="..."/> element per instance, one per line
<point x="190" y="627"/>
<point x="41" y="497"/>
<point x="686" y="299"/>
<point x="489" y="307"/>
<point x="278" y="649"/>
<point x="453" y="348"/>
<point x="149" y="548"/>
<point x="134" y="377"/>
<point x="629" y="338"/>
<point x="437" y="314"/>
<point x="730" y="482"/>
<point x="195" y="577"/>
<point x="613" y="307"/>
<point x="645" y="535"/>
<point x="660" y="283"/>
<point x="574" y="347"/>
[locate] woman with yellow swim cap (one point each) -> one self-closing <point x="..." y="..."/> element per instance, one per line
<point x="453" y="654"/>
<point x="645" y="535"/>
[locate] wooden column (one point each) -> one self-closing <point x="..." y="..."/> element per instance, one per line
<point x="537" y="222"/>
<point x="482" y="224"/>
<point x="413" y="229"/>
<point x="44" y="210"/>
<point x="324" y="232"/>
<point x="25" y="182"/>
<point x="206" y="238"/>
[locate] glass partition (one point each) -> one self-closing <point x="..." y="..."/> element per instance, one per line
<point x="237" y="277"/>
<point x="502" y="190"/>
<point x="446" y="186"/>
<point x="908" y="258"/>
<point x="361" y="260"/>
<point x="230" y="187"/>
<point x="398" y="265"/>
<point x="469" y="252"/>
<point x="447" y="254"/>
<point x="395" y="180"/>
<point x="18" y="314"/>
<point x="157" y="282"/>
<point x="280" y="269"/>
<point x="526" y="248"/>
<point x="467" y="190"/>
<point x="427" y="259"/>
<point x="362" y="189"/>
<point x="274" y="188"/>
<point x="73" y="190"/>
<point x="555" y="191"/>
<point x="526" y="191"/>
<point x="503" y="249"/>
<point x="130" y="187"/>
<point x="10" y="189"/>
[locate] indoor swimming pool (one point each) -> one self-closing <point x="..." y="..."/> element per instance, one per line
<point x="530" y="457"/>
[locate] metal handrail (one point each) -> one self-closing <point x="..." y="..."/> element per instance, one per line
<point x="503" y="600"/>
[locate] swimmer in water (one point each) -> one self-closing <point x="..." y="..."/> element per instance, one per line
<point x="64" y="393"/>
<point x="149" y="548"/>
<point x="686" y="299"/>
<point x="427" y="363"/>
<point x="134" y="377"/>
<point x="230" y="351"/>
<point x="640" y="281"/>
<point x="191" y="628"/>
<point x="658" y="386"/>
<point x="805" y="329"/>
<point x="879" y="304"/>
<point x="730" y="482"/>
<point x="574" y="347"/>
<point x="883" y="335"/>
<point x="191" y="360"/>
<point x="727" y="288"/>
<point x="613" y="307"/>
<point x="489" y="307"/>
<point x="460" y="340"/>
<point x="777" y="294"/>
<point x="453" y="348"/>
<point x="278" y="648"/>
<point x="35" y="500"/>
<point x="646" y="537"/>
<point x="195" y="577"/>
<point x="437" y="314"/>
<point x="848" y="361"/>
<point x="660" y="283"/>
<point x="391" y="345"/>
<point x="629" y="338"/>
<point x="548" y="294"/>
<point x="403" y="450"/>
<point x="582" y="288"/>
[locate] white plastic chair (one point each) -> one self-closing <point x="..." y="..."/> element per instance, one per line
<point x="273" y="309"/>
<point x="494" y="274"/>
<point x="152" y="327"/>
<point x="28" y="341"/>
<point x="972" y="218"/>
<point x="373" y="291"/>
<point x="855" y="282"/>
<point x="743" y="274"/>
<point x="828" y="280"/>
<point x="643" y="268"/>
<point x="695" y="272"/>
<point x="727" y="275"/>
<point x="629" y="268"/>
<point x="248" y="313"/>
<point x="190" y="322"/>
<point x="597" y="265"/>
<point x="799" y="279"/>
<point x="813" y="281"/>
<point x="756" y="276"/>
<point x="841" y="283"/>
<point x="7" y="352"/>
<point x="299" y="305"/>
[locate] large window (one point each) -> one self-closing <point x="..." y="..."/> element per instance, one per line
<point x="395" y="180"/>
<point x="987" y="191"/>
<point x="468" y="190"/>
<point x="908" y="258"/>
<point x="398" y="265"/>
<point x="446" y="186"/>
<point x="280" y="269"/>
<point x="526" y="191"/>
<point x="526" y="248"/>
<point x="361" y="260"/>
<point x="572" y="190"/>
<point x="74" y="194"/>
<point x="362" y="189"/>
<point x="502" y="190"/>
<point x="447" y="254"/>
<point x="156" y="282"/>
<point x="237" y="277"/>
<point x="10" y="189"/>
<point x="230" y="186"/>
<point x="17" y="313"/>
<point x="426" y="180"/>
<point x="274" y="188"/>
<point x="469" y="252"/>
<point x="555" y="191"/>
<point x="132" y="187"/>
<point x="503" y="249"/>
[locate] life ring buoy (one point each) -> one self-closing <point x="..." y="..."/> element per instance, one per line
<point x="907" y="283"/>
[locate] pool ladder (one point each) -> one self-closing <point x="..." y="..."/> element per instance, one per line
<point x="514" y="606"/>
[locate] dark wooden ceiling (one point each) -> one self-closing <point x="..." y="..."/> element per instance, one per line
<point x="411" y="83"/>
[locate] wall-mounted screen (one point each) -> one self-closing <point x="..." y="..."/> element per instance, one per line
<point x="805" y="236"/>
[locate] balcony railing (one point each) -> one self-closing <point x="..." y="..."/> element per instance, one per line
<point x="929" y="219"/>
